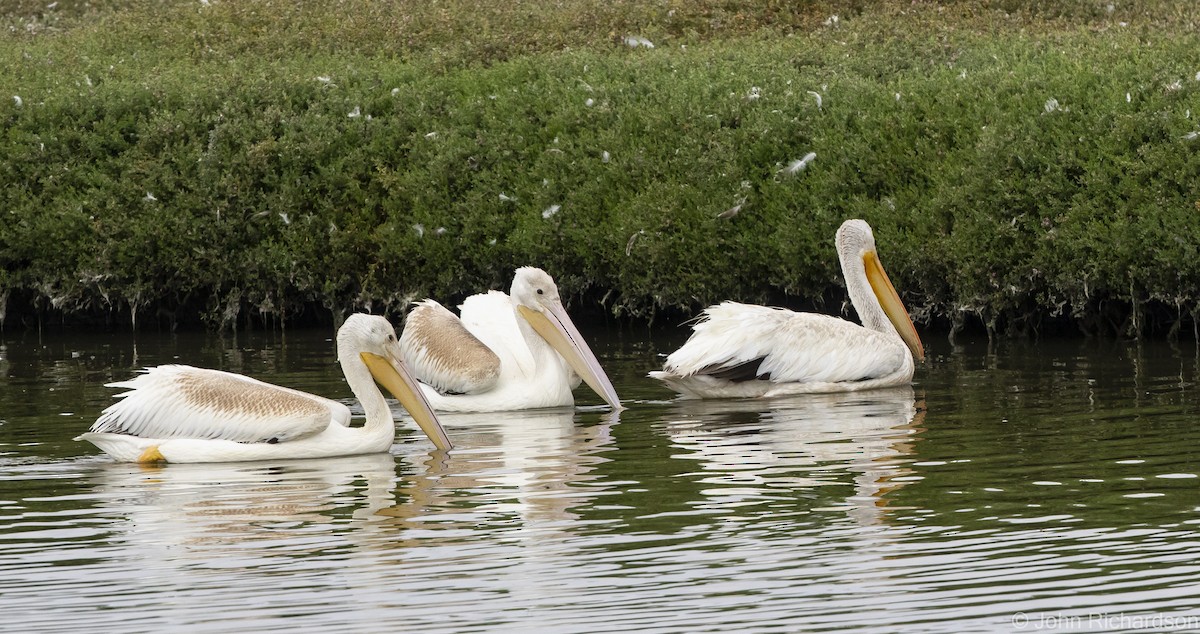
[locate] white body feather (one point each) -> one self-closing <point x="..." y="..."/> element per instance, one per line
<point x="802" y="353"/>
<point x="335" y="440"/>
<point x="492" y="319"/>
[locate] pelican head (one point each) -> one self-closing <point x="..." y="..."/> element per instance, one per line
<point x="372" y="339"/>
<point x="876" y="301"/>
<point x="536" y="297"/>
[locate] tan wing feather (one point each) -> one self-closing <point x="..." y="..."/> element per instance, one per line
<point x="443" y="354"/>
<point x="177" y="401"/>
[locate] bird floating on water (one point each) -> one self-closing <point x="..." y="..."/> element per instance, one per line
<point x="178" y="413"/>
<point x="505" y="352"/>
<point x="740" y="350"/>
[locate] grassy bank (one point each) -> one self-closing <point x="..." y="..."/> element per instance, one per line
<point x="239" y="163"/>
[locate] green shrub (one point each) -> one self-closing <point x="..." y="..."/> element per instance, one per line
<point x="227" y="163"/>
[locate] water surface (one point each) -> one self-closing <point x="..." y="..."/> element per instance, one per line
<point x="1013" y="487"/>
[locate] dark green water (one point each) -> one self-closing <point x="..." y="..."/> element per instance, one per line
<point x="1030" y="486"/>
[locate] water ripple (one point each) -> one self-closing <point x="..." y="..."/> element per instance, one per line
<point x="1050" y="482"/>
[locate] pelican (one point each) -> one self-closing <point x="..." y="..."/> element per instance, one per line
<point x="177" y="413"/>
<point x="506" y="352"/>
<point x="739" y="350"/>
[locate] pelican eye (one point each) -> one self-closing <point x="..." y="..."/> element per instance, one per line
<point x="540" y="292"/>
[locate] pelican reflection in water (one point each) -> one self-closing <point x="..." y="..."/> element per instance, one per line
<point x="523" y="466"/>
<point x="796" y="442"/>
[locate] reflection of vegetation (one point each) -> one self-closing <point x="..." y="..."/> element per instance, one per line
<point x="230" y="162"/>
<point x="655" y="496"/>
<point x="1049" y="432"/>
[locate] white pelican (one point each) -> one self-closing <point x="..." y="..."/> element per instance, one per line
<point x="738" y="350"/>
<point x="507" y="352"/>
<point x="177" y="413"/>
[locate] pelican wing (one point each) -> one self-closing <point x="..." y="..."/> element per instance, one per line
<point x="179" y="401"/>
<point x="444" y="354"/>
<point x="490" y="317"/>
<point x="739" y="342"/>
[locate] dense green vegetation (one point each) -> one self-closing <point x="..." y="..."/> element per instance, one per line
<point x="230" y="163"/>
